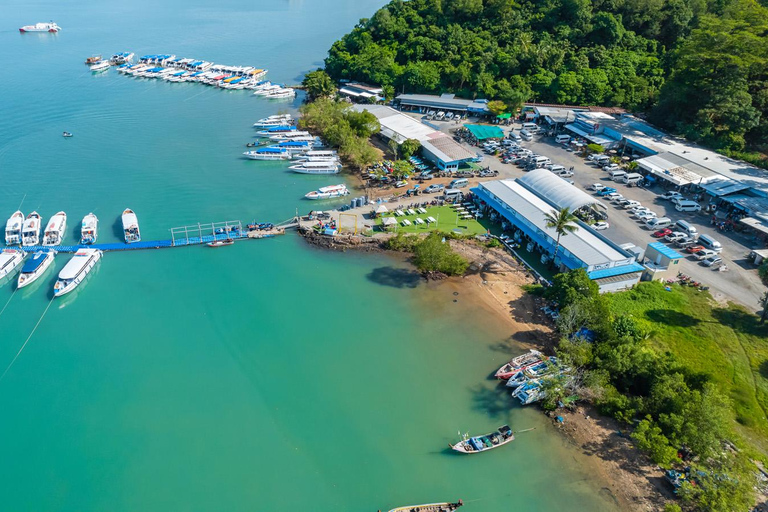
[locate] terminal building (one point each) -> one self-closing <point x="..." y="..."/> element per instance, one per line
<point x="523" y="204"/>
<point x="445" y="102"/>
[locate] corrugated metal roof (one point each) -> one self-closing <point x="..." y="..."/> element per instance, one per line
<point x="615" y="271"/>
<point x="556" y="190"/>
<point x="665" y="251"/>
<point x="447" y="149"/>
<point x="724" y="187"/>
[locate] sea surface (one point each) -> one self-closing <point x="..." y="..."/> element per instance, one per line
<point x="265" y="376"/>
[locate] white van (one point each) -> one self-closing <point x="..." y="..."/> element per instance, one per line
<point x="526" y="135"/>
<point x="617" y="175"/>
<point x="453" y="194"/>
<point x="459" y="183"/>
<point x="632" y="178"/>
<point x="531" y="127"/>
<point x="687" y="228"/>
<point x="601" y="160"/>
<point x="514" y="136"/>
<point x="563" y="139"/>
<point x="556" y="168"/>
<point x="688" y="206"/>
<point x="658" y="223"/>
<point x="541" y="161"/>
<point x="710" y="243"/>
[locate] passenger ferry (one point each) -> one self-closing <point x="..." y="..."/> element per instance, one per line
<point x="30" y="230"/>
<point x="35" y="267"/>
<point x="131" y="226"/>
<point x="9" y="260"/>
<point x="57" y="226"/>
<point x="328" y="167"/>
<point x="271" y="121"/>
<point x="295" y="147"/>
<point x="292" y="135"/>
<point x="275" y="130"/>
<point x="13" y="228"/>
<point x="89" y="229"/>
<point x="484" y="443"/>
<point x="329" y="192"/>
<point x="75" y="271"/>
<point x="270" y="153"/>
<point x="40" y="27"/>
<point x="314" y="154"/>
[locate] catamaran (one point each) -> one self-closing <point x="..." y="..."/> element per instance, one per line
<point x="326" y="167"/>
<point x="89" y="229"/>
<point x="75" y="271"/>
<point x="9" y="260"/>
<point x="35" y="267"/>
<point x="487" y="442"/>
<point x="40" y="27"/>
<point x="13" y="228"/>
<point x="54" y="232"/>
<point x="269" y="153"/>
<point x="329" y="192"/>
<point x="30" y="230"/>
<point x="430" y="507"/>
<point x="131" y="226"/>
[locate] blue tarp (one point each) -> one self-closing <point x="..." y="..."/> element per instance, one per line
<point x="616" y="271"/>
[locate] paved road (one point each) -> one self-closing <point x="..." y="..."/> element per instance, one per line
<point x="740" y="284"/>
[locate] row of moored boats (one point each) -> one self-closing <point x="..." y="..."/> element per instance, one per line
<point x="526" y="375"/>
<point x="28" y="231"/>
<point x="35" y="266"/>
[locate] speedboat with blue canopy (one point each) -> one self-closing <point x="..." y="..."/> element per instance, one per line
<point x="35" y="267"/>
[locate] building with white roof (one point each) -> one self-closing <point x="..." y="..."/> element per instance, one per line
<point x="443" y="102"/>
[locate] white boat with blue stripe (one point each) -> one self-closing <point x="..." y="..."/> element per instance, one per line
<point x="35" y="267"/>
<point x="270" y="153"/>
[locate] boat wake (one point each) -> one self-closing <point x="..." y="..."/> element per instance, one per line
<point x="28" y="338"/>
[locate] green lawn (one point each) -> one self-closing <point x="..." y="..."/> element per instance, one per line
<point x="726" y="343"/>
<point x="447" y="220"/>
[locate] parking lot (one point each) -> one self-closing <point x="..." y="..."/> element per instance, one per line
<point x="740" y="283"/>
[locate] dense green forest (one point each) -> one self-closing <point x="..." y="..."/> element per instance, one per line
<point x="697" y="67"/>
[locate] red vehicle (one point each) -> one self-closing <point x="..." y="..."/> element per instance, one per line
<point x="662" y="233"/>
<point x="692" y="249"/>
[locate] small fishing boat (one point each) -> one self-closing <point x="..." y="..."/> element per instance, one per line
<point x="220" y="243"/>
<point x="131" y="226"/>
<point x="89" y="229"/>
<point x="9" y="260"/>
<point x="35" y="267"/>
<point x="101" y="66"/>
<point x="40" y="27"/>
<point x="13" y="228"/>
<point x="66" y="134"/>
<point x="269" y="153"/>
<point x="430" y="507"/>
<point x="30" y="230"/>
<point x="484" y="443"/>
<point x="518" y="363"/>
<point x="304" y="167"/>
<point x="55" y="229"/>
<point x="329" y="192"/>
<point x="75" y="271"/>
<point x="92" y="60"/>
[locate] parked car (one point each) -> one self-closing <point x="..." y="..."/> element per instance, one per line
<point x="597" y="187"/>
<point x="600" y="225"/>
<point x="712" y="261"/>
<point x="646" y="215"/>
<point x="605" y="191"/>
<point x="704" y="254"/>
<point x="615" y="197"/>
<point x="675" y="236"/>
<point x="661" y="233"/>
<point x="678" y="199"/>
<point x="670" y="195"/>
<point x="685" y="242"/>
<point x="631" y="204"/>
<point x="637" y="209"/>
<point x="693" y="249"/>
<point x="611" y="167"/>
<point x="437" y="187"/>
<point x="440" y="115"/>
<point x="449" y="115"/>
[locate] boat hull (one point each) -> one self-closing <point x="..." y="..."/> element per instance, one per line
<point x="63" y="287"/>
<point x="430" y="507"/>
<point x="9" y="260"/>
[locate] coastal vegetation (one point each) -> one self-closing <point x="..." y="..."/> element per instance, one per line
<point x="688" y="376"/>
<point x="697" y="68"/>
<point x="431" y="254"/>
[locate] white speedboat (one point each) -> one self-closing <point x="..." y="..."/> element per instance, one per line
<point x="286" y="92"/>
<point x="30" y="230"/>
<point x="329" y="192"/>
<point x="13" y="228"/>
<point x="272" y="121"/>
<point x="131" y="226"/>
<point x="35" y="267"/>
<point x="291" y="135"/>
<point x="268" y="89"/>
<point x="75" y="270"/>
<point x="269" y="153"/>
<point x="9" y="260"/>
<point x="121" y="58"/>
<point x="276" y="130"/>
<point x="101" y="66"/>
<point x="89" y="229"/>
<point x="55" y="229"/>
<point x="316" y="167"/>
<point x="327" y="154"/>
<point x="40" y="27"/>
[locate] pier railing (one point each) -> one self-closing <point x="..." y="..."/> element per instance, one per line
<point x="204" y="233"/>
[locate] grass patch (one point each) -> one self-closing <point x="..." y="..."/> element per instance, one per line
<point x="447" y="220"/>
<point x="726" y="343"/>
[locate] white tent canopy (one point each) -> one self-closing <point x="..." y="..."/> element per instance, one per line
<point x="557" y="190"/>
<point x="381" y="209"/>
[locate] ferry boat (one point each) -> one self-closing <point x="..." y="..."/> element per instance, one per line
<point x="9" y="260"/>
<point x="13" y="228"/>
<point x="92" y="60"/>
<point x="30" y="230"/>
<point x="270" y="153"/>
<point x="308" y="155"/>
<point x="292" y="135"/>
<point x="101" y="66"/>
<point x="57" y="226"/>
<point x="89" y="229"/>
<point x="75" y="271"/>
<point x="430" y="507"/>
<point x="35" y="267"/>
<point x="518" y="363"/>
<point x="121" y="58"/>
<point x="40" y="27"/>
<point x="304" y="167"/>
<point x="272" y="121"/>
<point x="484" y="443"/>
<point x="276" y="130"/>
<point x="328" y="192"/>
<point x="294" y="147"/>
<point x="131" y="226"/>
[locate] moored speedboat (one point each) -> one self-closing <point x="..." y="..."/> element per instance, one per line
<point x="518" y="363"/>
<point x="9" y="260"/>
<point x="268" y="154"/>
<point x="101" y="66"/>
<point x="326" y="167"/>
<point x="308" y="155"/>
<point x="35" y="267"/>
<point x="30" y="230"/>
<point x="121" y="58"/>
<point x="220" y="243"/>
<point x="271" y="121"/>
<point x="89" y="229"/>
<point x="430" y="507"/>
<point x="40" y="27"/>
<point x="55" y="229"/>
<point x="328" y="192"/>
<point x="131" y="226"/>
<point x="486" y="442"/>
<point x="13" y="228"/>
<point x="75" y="271"/>
<point x="276" y="130"/>
<point x="291" y="135"/>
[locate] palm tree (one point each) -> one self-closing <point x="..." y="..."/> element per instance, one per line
<point x="564" y="222"/>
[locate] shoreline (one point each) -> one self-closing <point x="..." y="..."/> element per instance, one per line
<point x="494" y="282"/>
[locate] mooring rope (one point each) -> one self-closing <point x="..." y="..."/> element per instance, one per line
<point x="27" y="340"/>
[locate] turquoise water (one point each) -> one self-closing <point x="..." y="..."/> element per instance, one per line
<point x="264" y="376"/>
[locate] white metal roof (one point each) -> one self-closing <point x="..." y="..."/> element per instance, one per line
<point x="77" y="263"/>
<point x="396" y="125"/>
<point x="558" y="191"/>
<point x="447" y="149"/>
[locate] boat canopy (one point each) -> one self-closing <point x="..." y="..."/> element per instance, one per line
<point x="76" y="264"/>
<point x="130" y="221"/>
<point x="33" y="263"/>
